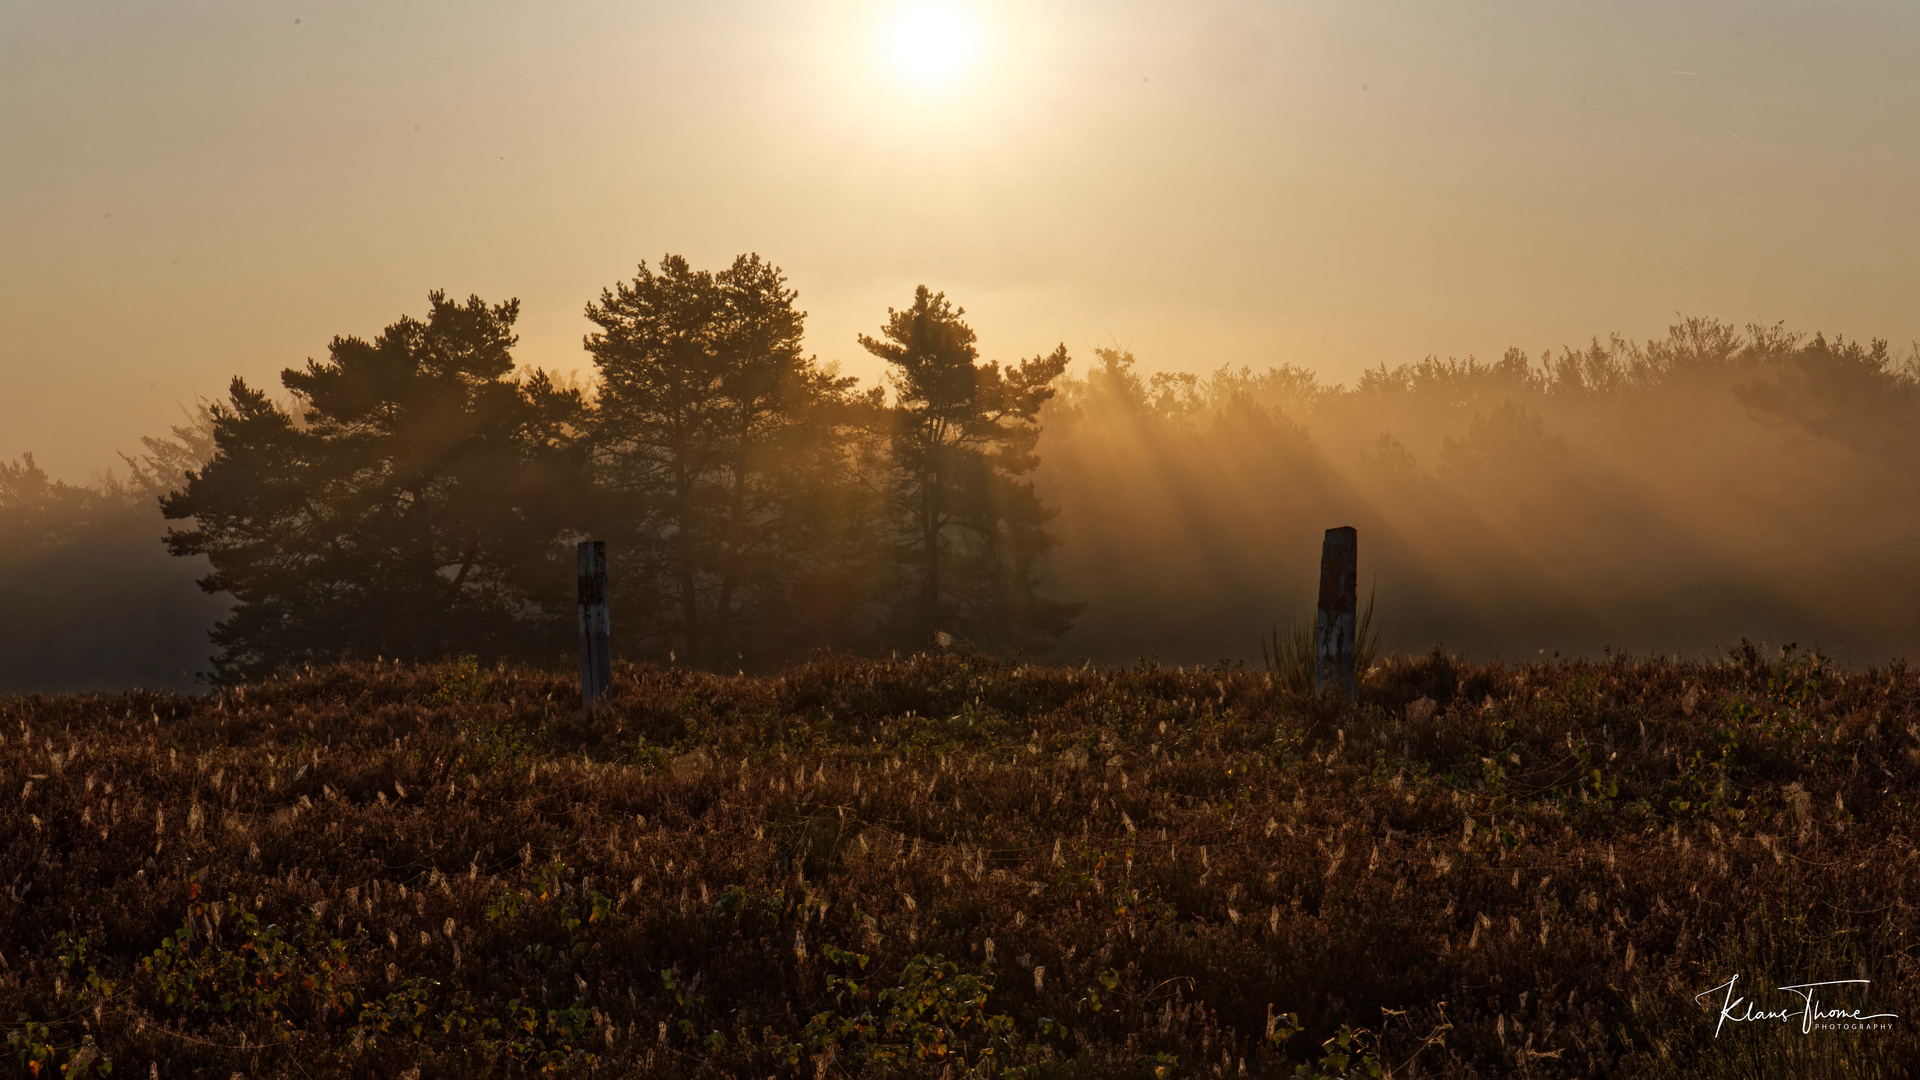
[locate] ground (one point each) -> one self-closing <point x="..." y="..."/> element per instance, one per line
<point x="949" y="865"/>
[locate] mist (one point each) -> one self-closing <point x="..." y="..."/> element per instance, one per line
<point x="89" y="598"/>
<point x="1673" y="496"/>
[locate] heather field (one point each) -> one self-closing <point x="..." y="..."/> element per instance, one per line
<point x="949" y="866"/>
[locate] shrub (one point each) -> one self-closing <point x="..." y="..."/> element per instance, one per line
<point x="945" y="864"/>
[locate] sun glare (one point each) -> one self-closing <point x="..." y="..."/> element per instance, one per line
<point x="930" y="43"/>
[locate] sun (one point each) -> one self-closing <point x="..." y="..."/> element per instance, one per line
<point x="930" y="44"/>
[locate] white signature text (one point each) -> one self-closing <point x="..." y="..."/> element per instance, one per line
<point x="1811" y="1012"/>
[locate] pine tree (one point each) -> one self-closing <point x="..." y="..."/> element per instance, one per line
<point x="969" y="532"/>
<point x="38" y="512"/>
<point x="730" y="456"/>
<point x="413" y="509"/>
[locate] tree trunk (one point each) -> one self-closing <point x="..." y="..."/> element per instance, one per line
<point x="932" y="508"/>
<point x="686" y="568"/>
<point x="731" y="556"/>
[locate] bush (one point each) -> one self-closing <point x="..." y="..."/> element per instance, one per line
<point x="945" y="865"/>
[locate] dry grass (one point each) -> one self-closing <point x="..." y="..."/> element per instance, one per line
<point x="943" y="864"/>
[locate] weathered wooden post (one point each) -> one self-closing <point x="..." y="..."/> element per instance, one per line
<point x="596" y="633"/>
<point x="1334" y="629"/>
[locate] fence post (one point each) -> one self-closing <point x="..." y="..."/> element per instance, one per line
<point x="1334" y="629"/>
<point x="596" y="633"/>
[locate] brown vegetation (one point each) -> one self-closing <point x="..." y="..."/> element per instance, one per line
<point x="928" y="866"/>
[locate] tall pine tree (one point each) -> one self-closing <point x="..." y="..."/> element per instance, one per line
<point x="730" y="456"/>
<point x="414" y="509"/>
<point x="968" y="530"/>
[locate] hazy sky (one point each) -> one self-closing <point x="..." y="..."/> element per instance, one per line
<point x="192" y="190"/>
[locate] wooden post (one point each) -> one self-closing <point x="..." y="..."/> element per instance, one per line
<point x="1334" y="628"/>
<point x="596" y="633"/>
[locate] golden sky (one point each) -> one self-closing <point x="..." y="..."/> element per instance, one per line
<point x="191" y="189"/>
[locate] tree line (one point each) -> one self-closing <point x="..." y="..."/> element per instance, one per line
<point x="1673" y="494"/>
<point x="419" y="495"/>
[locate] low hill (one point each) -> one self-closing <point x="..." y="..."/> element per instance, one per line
<point x="948" y="866"/>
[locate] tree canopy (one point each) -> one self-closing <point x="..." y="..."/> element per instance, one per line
<point x="967" y="530"/>
<point x="732" y="463"/>
<point x="410" y="504"/>
<point x="414" y="495"/>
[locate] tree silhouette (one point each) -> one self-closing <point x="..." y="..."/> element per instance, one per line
<point x="969" y="531"/>
<point x="38" y="512"/>
<point x="410" y="511"/>
<point x="728" y="454"/>
<point x="1848" y="392"/>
